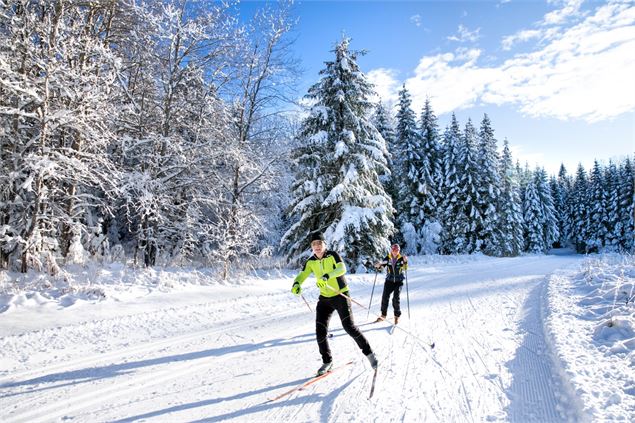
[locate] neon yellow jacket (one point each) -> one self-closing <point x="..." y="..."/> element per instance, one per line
<point x="331" y="264"/>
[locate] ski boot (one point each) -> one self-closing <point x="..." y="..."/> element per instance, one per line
<point x="373" y="360"/>
<point x="325" y="368"/>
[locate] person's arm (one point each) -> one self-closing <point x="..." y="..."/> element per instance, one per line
<point x="381" y="264"/>
<point x="340" y="267"/>
<point x="296" y="288"/>
<point x="303" y="274"/>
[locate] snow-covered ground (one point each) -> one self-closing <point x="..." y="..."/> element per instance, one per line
<point x="533" y="338"/>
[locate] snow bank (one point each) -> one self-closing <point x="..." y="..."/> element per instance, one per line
<point x="590" y="321"/>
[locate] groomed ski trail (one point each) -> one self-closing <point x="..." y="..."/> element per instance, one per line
<point x="490" y="359"/>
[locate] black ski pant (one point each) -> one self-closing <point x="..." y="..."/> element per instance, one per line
<point x="394" y="288"/>
<point x="325" y="308"/>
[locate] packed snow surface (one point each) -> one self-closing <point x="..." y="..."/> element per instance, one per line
<point x="527" y="339"/>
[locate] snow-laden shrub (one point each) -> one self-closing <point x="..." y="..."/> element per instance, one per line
<point x="430" y="238"/>
<point x="76" y="252"/>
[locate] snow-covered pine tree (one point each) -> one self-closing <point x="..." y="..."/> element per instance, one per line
<point x="410" y="179"/>
<point x="558" y="205"/>
<point x="561" y="197"/>
<point x="469" y="189"/>
<point x="511" y="213"/>
<point x="627" y="204"/>
<point x="384" y="124"/>
<point x="340" y="156"/>
<point x="431" y="166"/>
<point x="578" y="210"/>
<point x="597" y="223"/>
<point x="532" y="212"/>
<point x="454" y="217"/>
<point x="549" y="219"/>
<point x="612" y="189"/>
<point x="489" y="189"/>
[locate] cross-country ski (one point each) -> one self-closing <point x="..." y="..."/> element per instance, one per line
<point x="309" y="382"/>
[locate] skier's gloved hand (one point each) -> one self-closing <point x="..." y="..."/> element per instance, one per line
<point x="321" y="283"/>
<point x="296" y="288"/>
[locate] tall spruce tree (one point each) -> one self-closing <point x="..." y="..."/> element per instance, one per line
<point x="511" y="213"/>
<point x="489" y="189"/>
<point x="549" y="219"/>
<point x="430" y="161"/>
<point x="341" y="153"/>
<point x="561" y="198"/>
<point x="578" y="210"/>
<point x="597" y="223"/>
<point x="431" y="179"/>
<point x="454" y="218"/>
<point x="627" y="205"/>
<point x="541" y="229"/>
<point x="470" y="192"/>
<point x="384" y="124"/>
<point x="411" y="190"/>
<point x="614" y="228"/>
<point x="532" y="213"/>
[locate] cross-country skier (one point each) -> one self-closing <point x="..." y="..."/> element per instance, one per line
<point x="396" y="265"/>
<point x="329" y="270"/>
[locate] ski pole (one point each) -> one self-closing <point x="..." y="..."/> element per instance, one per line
<point x="305" y="302"/>
<point x="407" y="295"/>
<point x="371" y="294"/>
<point x="429" y="344"/>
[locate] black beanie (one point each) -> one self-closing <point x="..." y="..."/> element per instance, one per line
<point x="317" y="236"/>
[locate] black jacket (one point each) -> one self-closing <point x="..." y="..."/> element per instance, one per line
<point x="396" y="272"/>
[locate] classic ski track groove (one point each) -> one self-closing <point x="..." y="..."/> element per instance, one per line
<point x="30" y="411"/>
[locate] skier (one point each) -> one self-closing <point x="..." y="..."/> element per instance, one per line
<point x="329" y="270"/>
<point x="396" y="265"/>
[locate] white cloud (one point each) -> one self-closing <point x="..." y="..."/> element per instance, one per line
<point x="452" y="81"/>
<point x="524" y="35"/>
<point x="570" y="9"/>
<point x="549" y="26"/>
<point x="416" y="19"/>
<point x="582" y="72"/>
<point x="386" y="85"/>
<point x="465" y="35"/>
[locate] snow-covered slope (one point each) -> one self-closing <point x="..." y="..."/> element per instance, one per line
<point x="177" y="346"/>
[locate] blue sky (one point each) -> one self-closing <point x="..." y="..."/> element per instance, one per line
<point x="555" y="77"/>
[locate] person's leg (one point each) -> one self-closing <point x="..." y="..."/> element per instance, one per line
<point x="396" y="304"/>
<point x="323" y="313"/>
<point x="385" y="296"/>
<point x="343" y="307"/>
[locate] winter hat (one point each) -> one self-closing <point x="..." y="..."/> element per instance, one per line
<point x="317" y="236"/>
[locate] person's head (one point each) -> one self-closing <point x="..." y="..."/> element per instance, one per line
<point x="318" y="244"/>
<point x="394" y="250"/>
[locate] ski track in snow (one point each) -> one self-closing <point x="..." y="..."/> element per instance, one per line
<point x="491" y="361"/>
